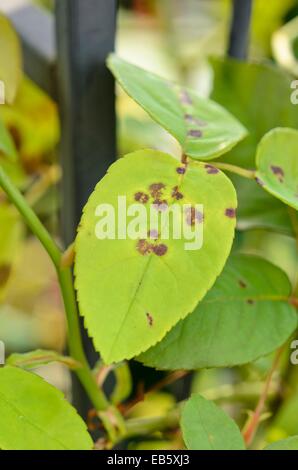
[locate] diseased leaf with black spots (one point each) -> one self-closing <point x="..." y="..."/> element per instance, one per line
<point x="203" y="128"/>
<point x="131" y="292"/>
<point x="277" y="164"/>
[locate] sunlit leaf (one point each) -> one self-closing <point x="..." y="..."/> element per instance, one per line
<point x="10" y="60"/>
<point x="245" y="315"/>
<point x="283" y="44"/>
<point x="203" y="128"/>
<point x="207" y="427"/>
<point x="277" y="164"/>
<point x="35" y="416"/>
<point x="132" y="291"/>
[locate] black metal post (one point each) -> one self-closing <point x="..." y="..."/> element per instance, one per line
<point x="85" y="36"/>
<point x="240" y="29"/>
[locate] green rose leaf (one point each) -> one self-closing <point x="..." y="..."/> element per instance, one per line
<point x="207" y="427"/>
<point x="277" y="165"/>
<point x="133" y="291"/>
<point x="7" y="147"/>
<point x="35" y="416"/>
<point x="286" y="444"/>
<point x="265" y="105"/>
<point x="203" y="128"/>
<point x="245" y="316"/>
<point x="10" y="60"/>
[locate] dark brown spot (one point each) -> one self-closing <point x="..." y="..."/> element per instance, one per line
<point x="160" y="250"/>
<point x="156" y="190"/>
<point x="161" y="206"/>
<point x="250" y="301"/>
<point x="231" y="213"/>
<point x="149" y="319"/>
<point x="144" y="247"/>
<point x="181" y="170"/>
<point x="278" y="171"/>
<point x="185" y="98"/>
<point x="195" y="133"/>
<point x="5" y="270"/>
<point x="242" y="284"/>
<point x="153" y="234"/>
<point x="259" y="181"/>
<point x="176" y="194"/>
<point x="193" y="216"/>
<point x="141" y="197"/>
<point x="211" y="170"/>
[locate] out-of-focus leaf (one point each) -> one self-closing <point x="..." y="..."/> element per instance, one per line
<point x="40" y="357"/>
<point x="259" y="96"/>
<point x="10" y="60"/>
<point x="138" y="281"/>
<point x="204" y="129"/>
<point x="155" y="404"/>
<point x="287" y="444"/>
<point x="7" y="148"/>
<point x="35" y="416"/>
<point x="283" y="44"/>
<point x="33" y="122"/>
<point x="277" y="165"/>
<point x="207" y="427"/>
<point x="10" y="239"/>
<point x="124" y="384"/>
<point x="222" y="330"/>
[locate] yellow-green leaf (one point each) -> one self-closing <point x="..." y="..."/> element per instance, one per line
<point x="10" y="60"/>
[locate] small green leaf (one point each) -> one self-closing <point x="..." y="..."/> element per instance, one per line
<point x="131" y="295"/>
<point x="204" y="129"/>
<point x="7" y="147"/>
<point x="245" y="316"/>
<point x="40" y="357"/>
<point x="35" y="416"/>
<point x="277" y="163"/>
<point x="207" y="427"/>
<point x="286" y="444"/>
<point x="10" y="60"/>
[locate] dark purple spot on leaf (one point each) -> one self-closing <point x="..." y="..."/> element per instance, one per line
<point x="211" y="170"/>
<point x="156" y="190"/>
<point x="141" y="197"/>
<point x="160" y="250"/>
<point x="231" y="213"/>
<point x="149" y="319"/>
<point x="176" y="194"/>
<point x="181" y="170"/>
<point x="153" y="234"/>
<point x="278" y="171"/>
<point x="242" y="284"/>
<point x="144" y="247"/>
<point x="193" y="216"/>
<point x="196" y="133"/>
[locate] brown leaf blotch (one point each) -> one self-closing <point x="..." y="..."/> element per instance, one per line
<point x="143" y="198"/>
<point x="156" y="190"/>
<point x="176" y="194"/>
<point x="195" y="133"/>
<point x="242" y="284"/>
<point x="250" y="301"/>
<point x="181" y="170"/>
<point x="278" y="171"/>
<point x="211" y="170"/>
<point x="149" y="319"/>
<point x="144" y="247"/>
<point x="160" y="250"/>
<point x="231" y="213"/>
<point x="193" y="216"/>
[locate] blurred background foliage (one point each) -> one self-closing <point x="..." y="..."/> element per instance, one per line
<point x="176" y="40"/>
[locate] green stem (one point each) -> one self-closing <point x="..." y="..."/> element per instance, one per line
<point x="250" y="174"/>
<point x="66" y="284"/>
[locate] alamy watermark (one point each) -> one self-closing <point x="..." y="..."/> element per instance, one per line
<point x="294" y="355"/>
<point x="150" y="224"/>
<point x="294" y="95"/>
